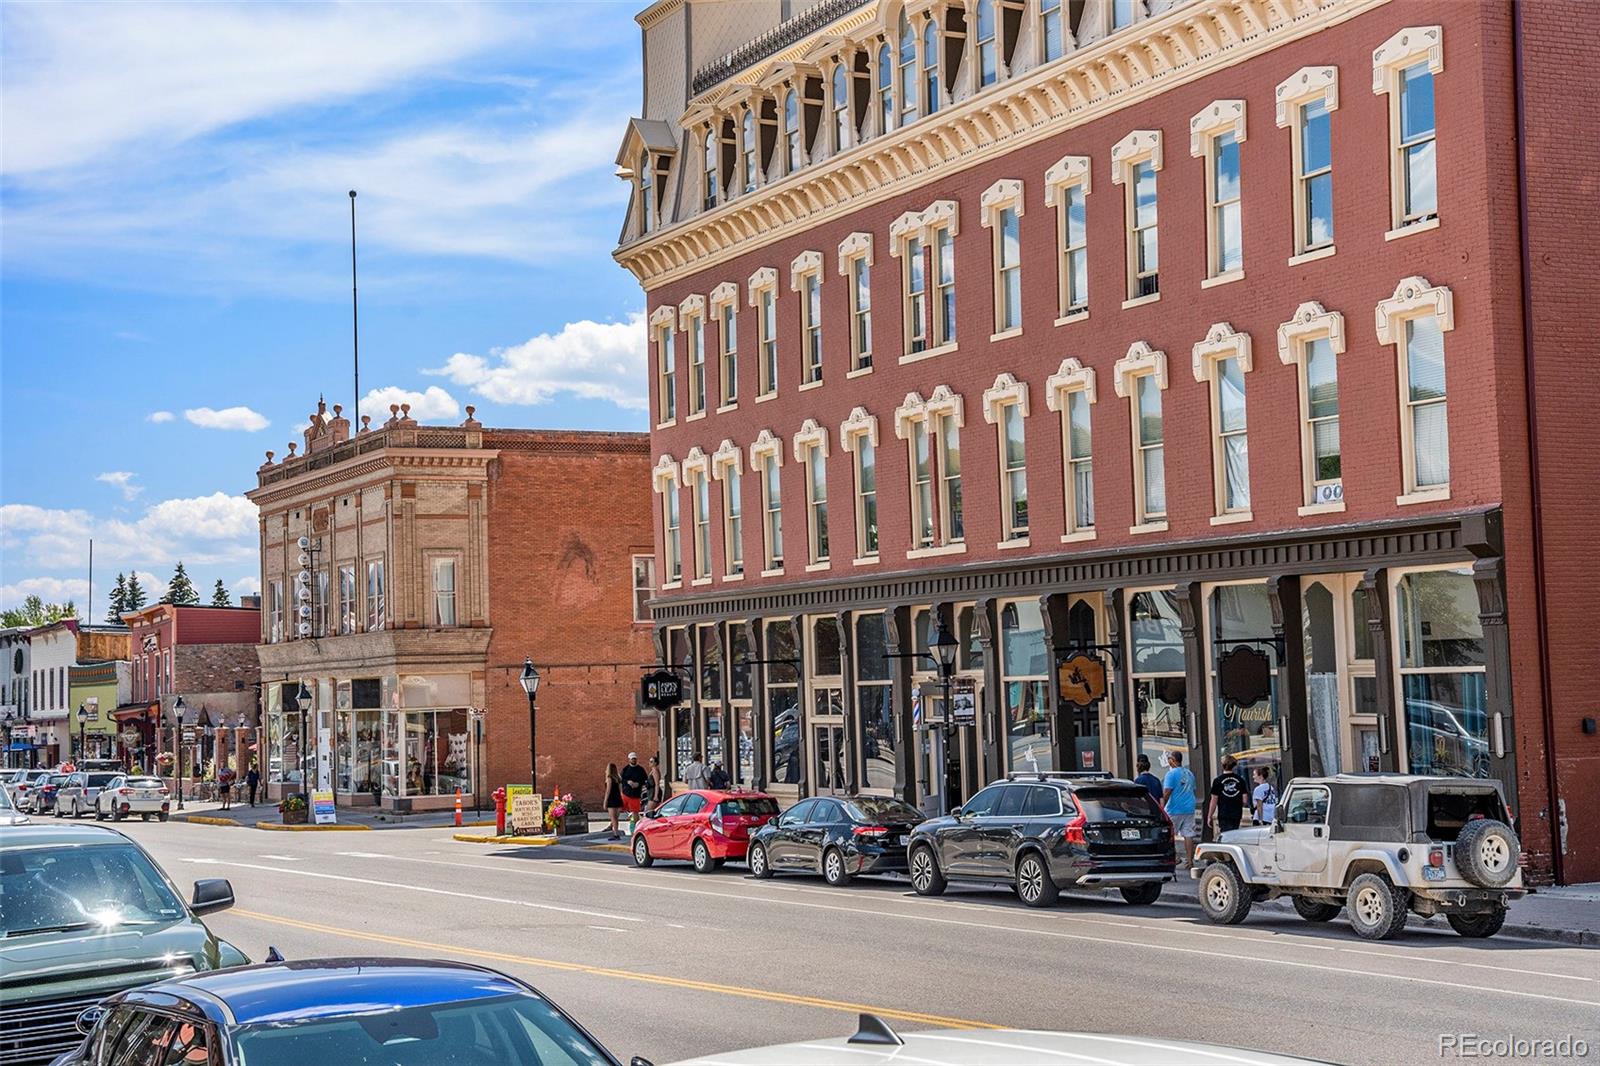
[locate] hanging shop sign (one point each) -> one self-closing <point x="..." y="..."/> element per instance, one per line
<point x="662" y="690"/>
<point x="1244" y="675"/>
<point x="1081" y="679"/>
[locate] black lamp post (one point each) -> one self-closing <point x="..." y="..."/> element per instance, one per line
<point x="944" y="647"/>
<point x="530" y="685"/>
<point x="179" y="710"/>
<point x="83" y="716"/>
<point x="304" y="700"/>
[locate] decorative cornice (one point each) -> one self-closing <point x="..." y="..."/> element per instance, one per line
<point x="665" y="470"/>
<point x="1415" y="297"/>
<point x="1005" y="391"/>
<point x="694" y="304"/>
<point x="725" y="293"/>
<point x="810" y="435"/>
<point x="764" y="447"/>
<point x="765" y="278"/>
<point x="665" y="315"/>
<point x="1007" y="192"/>
<point x="1310" y="322"/>
<point x="1068" y="170"/>
<point x="1222" y="342"/>
<point x="1403" y="49"/>
<point x="856" y="244"/>
<point x="804" y="263"/>
<point x="860" y="424"/>
<point x="1141" y="359"/>
<point x="1218" y="117"/>
<point x="1136" y="147"/>
<point x="1072" y="376"/>
<point x="1305" y="84"/>
<point x="1182" y="44"/>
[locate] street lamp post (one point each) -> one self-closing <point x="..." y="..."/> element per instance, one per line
<point x="83" y="716"/>
<point x="178" y="712"/>
<point x="944" y="647"/>
<point x="305" y="702"/>
<point x="530" y="685"/>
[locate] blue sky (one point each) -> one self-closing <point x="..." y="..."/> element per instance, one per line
<point x="174" y="269"/>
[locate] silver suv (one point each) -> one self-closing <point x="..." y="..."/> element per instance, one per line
<point x="1377" y="845"/>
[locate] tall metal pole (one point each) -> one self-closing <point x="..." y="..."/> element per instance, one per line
<point x="355" y="323"/>
<point x="89" y="606"/>
<point x="533" y="743"/>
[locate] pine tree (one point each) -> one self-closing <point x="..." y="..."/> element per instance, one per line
<point x="220" y="597"/>
<point x="180" y="591"/>
<point x="119" y="599"/>
<point x="135" y="597"/>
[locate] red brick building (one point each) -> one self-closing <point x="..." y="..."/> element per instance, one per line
<point x="409" y="570"/>
<point x="1128" y="333"/>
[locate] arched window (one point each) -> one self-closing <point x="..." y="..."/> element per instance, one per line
<point x="747" y="151"/>
<point x="930" y="64"/>
<point x="908" y="72"/>
<point x="885" y="89"/>
<point x="841" y="108"/>
<point x="710" y="196"/>
<point x="647" y="195"/>
<point x="1050" y="27"/>
<point x="988" y="64"/>
<point x="791" y="132"/>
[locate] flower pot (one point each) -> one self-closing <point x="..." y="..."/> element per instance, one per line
<point x="573" y="824"/>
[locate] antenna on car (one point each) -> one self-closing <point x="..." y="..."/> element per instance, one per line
<point x="874" y="1030"/>
<point x="273" y="954"/>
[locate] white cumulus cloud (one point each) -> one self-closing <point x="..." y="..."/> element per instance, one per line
<point x="159" y="416"/>
<point x="48" y="589"/>
<point x="241" y="418"/>
<point x="123" y="481"/>
<point x="432" y="404"/>
<point x="593" y="360"/>
<point x="203" y="531"/>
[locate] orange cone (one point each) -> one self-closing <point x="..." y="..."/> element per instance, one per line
<point x="458" y="807"/>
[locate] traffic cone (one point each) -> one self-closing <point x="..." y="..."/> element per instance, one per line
<point x="458" y="807"/>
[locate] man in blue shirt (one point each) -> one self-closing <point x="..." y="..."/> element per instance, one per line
<point x="1149" y="780"/>
<point x="1179" y="799"/>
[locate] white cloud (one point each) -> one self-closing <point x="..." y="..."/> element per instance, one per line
<point x="204" y="531"/>
<point x="48" y="589"/>
<point x="245" y="586"/>
<point x="432" y="404"/>
<point x="241" y="418"/>
<point x="159" y="416"/>
<point x="593" y="360"/>
<point x="123" y="480"/>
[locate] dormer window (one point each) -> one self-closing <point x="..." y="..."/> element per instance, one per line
<point x="988" y="58"/>
<point x="791" y="132"/>
<point x="709" y="191"/>
<point x="930" y="65"/>
<point x="841" y="108"/>
<point x="647" y="195"/>
<point x="885" y="89"/>
<point x="907" y="73"/>
<point x="747" y="152"/>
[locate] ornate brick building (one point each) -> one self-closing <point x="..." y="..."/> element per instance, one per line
<point x="408" y="570"/>
<point x="1137" y="330"/>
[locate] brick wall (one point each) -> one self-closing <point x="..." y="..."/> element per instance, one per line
<point x="565" y="518"/>
<point x="213" y="668"/>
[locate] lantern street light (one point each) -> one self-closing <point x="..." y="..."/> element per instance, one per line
<point x="83" y="716"/>
<point x="179" y="710"/>
<point x="304" y="700"/>
<point x="530" y="685"/>
<point x="944" y="647"/>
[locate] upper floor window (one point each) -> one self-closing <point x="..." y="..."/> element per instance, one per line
<point x="323" y="607"/>
<point x="1135" y="161"/>
<point x="988" y="44"/>
<point x="841" y="108"/>
<point x="1223" y="359"/>
<point x="932" y="431"/>
<point x="644" y="586"/>
<point x="1306" y="102"/>
<point x="1141" y="377"/>
<point x="944" y="286"/>
<point x="814" y="457"/>
<point x="647" y="194"/>
<point x="766" y="459"/>
<point x="885" y="89"/>
<point x="275" y="611"/>
<point x="1123" y="13"/>
<point x="700" y="492"/>
<point x="1311" y="342"/>
<point x="1071" y="393"/>
<point x="1403" y="67"/>
<point x="708" y="188"/>
<point x="666" y="369"/>
<point x="1066" y="187"/>
<point x="666" y="478"/>
<point x="1002" y="210"/>
<point x="859" y="435"/>
<point x="791" y="132"/>
<point x="765" y="299"/>
<point x="855" y="262"/>
<point x="806" y="279"/>
<point x="695" y="330"/>
<point x="444" y="592"/>
<point x="930" y="65"/>
<point x="725" y="303"/>
<point x="375" y="595"/>
<point x="1005" y="406"/>
<point x="916" y="295"/>
<point x="747" y="151"/>
<point x="1223" y="129"/>
<point x="725" y="467"/>
<point x="907" y="72"/>
<point x="347" y="600"/>
<point x="1050" y="29"/>
<point x="1415" y="320"/>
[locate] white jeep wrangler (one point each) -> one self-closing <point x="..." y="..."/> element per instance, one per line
<point x="1379" y="845"/>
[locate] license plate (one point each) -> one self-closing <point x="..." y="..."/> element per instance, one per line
<point x="1131" y="834"/>
<point x="1433" y="873"/>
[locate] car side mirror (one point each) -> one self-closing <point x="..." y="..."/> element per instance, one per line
<point x="639" y="1060"/>
<point x="957" y="813"/>
<point x="89" y="1017"/>
<point x="211" y="894"/>
<point x="1277" y="825"/>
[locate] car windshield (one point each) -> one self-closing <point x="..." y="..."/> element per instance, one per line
<point x="762" y="806"/>
<point x="882" y="809"/>
<point x="100" y="780"/>
<point x="483" y="1032"/>
<point x="52" y="888"/>
<point x="143" y="782"/>
<point x="1107" y="805"/>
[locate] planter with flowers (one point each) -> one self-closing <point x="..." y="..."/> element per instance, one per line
<point x="293" y="808"/>
<point x="565" y="815"/>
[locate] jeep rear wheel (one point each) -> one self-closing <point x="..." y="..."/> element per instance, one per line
<point x="1315" y="910"/>
<point x="1477" y="926"/>
<point x="1487" y="852"/>
<point x="1377" y="908"/>
<point x="1224" y="897"/>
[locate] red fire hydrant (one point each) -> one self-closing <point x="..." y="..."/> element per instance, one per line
<point x="500" y="811"/>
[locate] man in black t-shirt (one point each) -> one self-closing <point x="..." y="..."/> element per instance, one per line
<point x="1228" y="794"/>
<point x="633" y="779"/>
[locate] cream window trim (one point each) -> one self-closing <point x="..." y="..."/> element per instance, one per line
<point x="810" y="435"/>
<point x="694" y="304"/>
<point x="665" y="315"/>
<point x="936" y="215"/>
<point x="723" y="295"/>
<point x="945" y="403"/>
<point x="1222" y="342"/>
<point x="1136" y="147"/>
<point x="1311" y="322"/>
<point x="805" y="264"/>
<point x="1007" y="192"/>
<point x="765" y="447"/>
<point x="1072" y="376"/>
<point x="1221" y="116"/>
<point x="1407" y="47"/>
<point x="761" y="280"/>
<point x="857" y="245"/>
<point x="1141" y="359"/>
<point x="860" y="424"/>
<point x="1002" y="195"/>
<point x="1140" y="146"/>
<point x="1414" y="298"/>
<point x="1303" y="86"/>
<point x="1069" y="171"/>
<point x="695" y="464"/>
<point x="1005" y="391"/>
<point x="727" y="455"/>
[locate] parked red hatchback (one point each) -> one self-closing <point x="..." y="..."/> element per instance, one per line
<point x="706" y="827"/>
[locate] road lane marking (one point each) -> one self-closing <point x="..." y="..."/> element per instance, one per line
<point x="280" y="858"/>
<point x="935" y="1020"/>
<point x="1240" y="937"/>
<point x="422" y="888"/>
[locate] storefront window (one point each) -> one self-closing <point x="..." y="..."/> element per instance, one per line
<point x="1159" y="688"/>
<point x="1320" y="618"/>
<point x="783" y="703"/>
<point x="1025" y="679"/>
<point x="710" y="664"/>
<point x="359" y="755"/>
<point x="875" y="697"/>
<point x="971" y="655"/>
<point x="1249" y="733"/>
<point x="682" y="745"/>
<point x="740" y="653"/>
<point x="1442" y="669"/>
<point x="436" y="757"/>
<point x="740" y="695"/>
<point x="392" y="778"/>
<point x="746" y="769"/>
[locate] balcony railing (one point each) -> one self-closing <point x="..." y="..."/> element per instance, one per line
<point x="773" y="41"/>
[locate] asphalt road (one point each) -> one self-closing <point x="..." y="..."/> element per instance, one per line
<point x="665" y="963"/>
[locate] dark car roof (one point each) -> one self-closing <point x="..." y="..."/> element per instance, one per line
<point x="321" y="988"/>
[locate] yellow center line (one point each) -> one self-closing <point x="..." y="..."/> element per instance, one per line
<point x="448" y="950"/>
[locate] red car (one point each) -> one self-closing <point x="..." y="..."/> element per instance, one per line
<point x="706" y="826"/>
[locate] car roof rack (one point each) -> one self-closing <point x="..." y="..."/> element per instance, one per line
<point x="1050" y="775"/>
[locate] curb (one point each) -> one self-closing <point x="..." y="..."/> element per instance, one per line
<point x="620" y="848"/>
<point x="1588" y="938"/>
<point x="280" y="827"/>
<point x="205" y="819"/>
<point x="483" y="838"/>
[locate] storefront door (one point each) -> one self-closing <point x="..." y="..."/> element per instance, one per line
<point x="828" y="776"/>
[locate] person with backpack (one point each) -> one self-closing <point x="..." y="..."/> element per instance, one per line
<point x="1177" y="797"/>
<point x="1228" y="791"/>
<point x="1264" y="799"/>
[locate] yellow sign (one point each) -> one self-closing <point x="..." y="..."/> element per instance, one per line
<point x="524" y="809"/>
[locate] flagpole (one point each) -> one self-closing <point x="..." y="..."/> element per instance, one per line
<point x="355" y="323"/>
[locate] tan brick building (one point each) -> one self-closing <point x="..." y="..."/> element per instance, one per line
<point x="407" y="572"/>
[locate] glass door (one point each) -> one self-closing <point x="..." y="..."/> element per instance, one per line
<point x="828" y="777"/>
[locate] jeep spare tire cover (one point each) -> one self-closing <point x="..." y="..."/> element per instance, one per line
<point x="1487" y="852"/>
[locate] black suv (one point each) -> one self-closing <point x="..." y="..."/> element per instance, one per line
<point x="1042" y="832"/>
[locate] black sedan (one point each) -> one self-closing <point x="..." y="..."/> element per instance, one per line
<point x="836" y="836"/>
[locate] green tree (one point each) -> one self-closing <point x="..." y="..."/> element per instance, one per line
<point x="135" y="597"/>
<point x="119" y="599"/>
<point x="35" y="612"/>
<point x="220" y="597"/>
<point x="180" y="591"/>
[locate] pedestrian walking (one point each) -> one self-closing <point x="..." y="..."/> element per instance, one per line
<point x="657" y="789"/>
<point x="225" y="789"/>
<point x="1149" y="780"/>
<point x="252" y="781"/>
<point x="1228" y="791"/>
<point x="717" y="777"/>
<point x="1177" y="796"/>
<point x="634" y="781"/>
<point x="694" y="775"/>
<point x="1264" y="798"/>
<point x="613" y="802"/>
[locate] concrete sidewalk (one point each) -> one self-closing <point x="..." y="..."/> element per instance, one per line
<point x="265" y="816"/>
